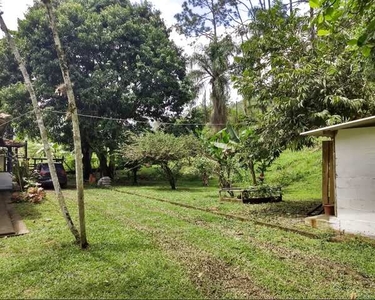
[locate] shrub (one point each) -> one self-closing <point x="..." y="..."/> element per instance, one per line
<point x="165" y="150"/>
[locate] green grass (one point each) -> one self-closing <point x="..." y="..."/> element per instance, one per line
<point x="121" y="262"/>
<point x="299" y="174"/>
<point x="142" y="248"/>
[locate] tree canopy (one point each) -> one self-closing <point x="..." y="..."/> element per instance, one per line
<point x="122" y="63"/>
<point x="165" y="150"/>
<point x="294" y="82"/>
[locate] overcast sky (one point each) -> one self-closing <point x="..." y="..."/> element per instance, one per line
<point x="15" y="9"/>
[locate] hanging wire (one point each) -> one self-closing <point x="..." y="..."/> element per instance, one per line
<point x="16" y="118"/>
<point x="145" y="122"/>
<point x="124" y="120"/>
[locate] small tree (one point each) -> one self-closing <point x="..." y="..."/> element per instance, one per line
<point x="42" y="129"/>
<point x="165" y="150"/>
<point x="221" y="149"/>
<point x="74" y="114"/>
<point x="253" y="150"/>
<point x="205" y="168"/>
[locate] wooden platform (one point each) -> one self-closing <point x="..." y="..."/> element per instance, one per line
<point x="5" y="181"/>
<point x="10" y="221"/>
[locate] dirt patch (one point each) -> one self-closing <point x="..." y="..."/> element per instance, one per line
<point x="214" y="277"/>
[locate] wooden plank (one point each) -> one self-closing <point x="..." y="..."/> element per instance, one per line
<point x="5" y="181"/>
<point x="325" y="171"/>
<point x="332" y="174"/>
<point x="6" y="226"/>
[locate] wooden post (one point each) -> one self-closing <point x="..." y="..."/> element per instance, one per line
<point x="325" y="172"/>
<point x="328" y="172"/>
<point x="26" y="150"/>
<point x="332" y="172"/>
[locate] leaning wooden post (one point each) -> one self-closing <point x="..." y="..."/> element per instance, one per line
<point x="325" y="172"/>
<point x="72" y="109"/>
<point x="42" y="129"/>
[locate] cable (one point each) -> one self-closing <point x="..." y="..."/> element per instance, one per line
<point x="124" y="120"/>
<point x="145" y="122"/>
<point x="16" y="118"/>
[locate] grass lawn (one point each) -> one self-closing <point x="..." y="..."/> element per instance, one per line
<point x="142" y="248"/>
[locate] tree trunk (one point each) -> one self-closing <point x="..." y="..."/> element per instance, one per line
<point x="291" y="7"/>
<point x="135" y="177"/>
<point x="312" y="27"/>
<point x="252" y="172"/>
<point x="76" y="132"/>
<point x="219" y="112"/>
<point x="169" y="174"/>
<point x="205" y="179"/>
<point x="87" y="154"/>
<point x="104" y="169"/>
<point x="112" y="166"/>
<point x="43" y="131"/>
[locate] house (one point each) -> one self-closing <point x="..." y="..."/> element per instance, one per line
<point x="348" y="181"/>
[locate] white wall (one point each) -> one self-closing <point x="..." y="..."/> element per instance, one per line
<point x="355" y="180"/>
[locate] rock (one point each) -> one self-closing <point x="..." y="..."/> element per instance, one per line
<point x="104" y="181"/>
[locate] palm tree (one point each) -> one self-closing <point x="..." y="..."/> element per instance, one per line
<point x="42" y="129"/>
<point x="213" y="64"/>
<point x="74" y="114"/>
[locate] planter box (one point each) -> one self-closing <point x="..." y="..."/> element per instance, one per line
<point x="251" y="195"/>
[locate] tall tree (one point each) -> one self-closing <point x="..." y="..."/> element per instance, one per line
<point x="42" y="129"/>
<point x="209" y="18"/>
<point x="72" y="110"/>
<point x="293" y="85"/>
<point x="339" y="15"/>
<point x="213" y="64"/>
<point x="122" y="63"/>
<point x="200" y="17"/>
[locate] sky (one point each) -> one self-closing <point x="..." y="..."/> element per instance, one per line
<point x="15" y="9"/>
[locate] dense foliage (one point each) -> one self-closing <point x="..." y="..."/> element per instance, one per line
<point x="165" y="150"/>
<point x="293" y="82"/>
<point x="294" y="70"/>
<point x="122" y="63"/>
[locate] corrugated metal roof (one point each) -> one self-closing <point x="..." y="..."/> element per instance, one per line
<point x="327" y="131"/>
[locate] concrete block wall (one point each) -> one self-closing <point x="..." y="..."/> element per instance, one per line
<point x="355" y="180"/>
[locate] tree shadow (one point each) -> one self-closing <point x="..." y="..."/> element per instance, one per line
<point x="285" y="209"/>
<point x="180" y="189"/>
